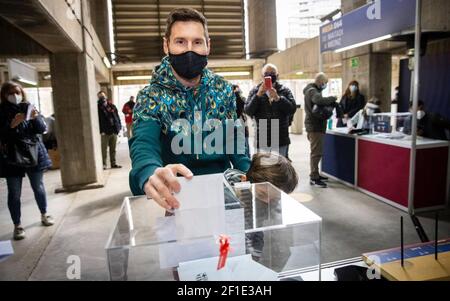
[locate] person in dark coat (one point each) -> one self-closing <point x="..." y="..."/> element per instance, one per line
<point x="351" y="103"/>
<point x="19" y="121"/>
<point x="110" y="127"/>
<point x="316" y="127"/>
<point x="274" y="104"/>
<point x="429" y="125"/>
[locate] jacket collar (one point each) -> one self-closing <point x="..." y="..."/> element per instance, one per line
<point x="11" y="107"/>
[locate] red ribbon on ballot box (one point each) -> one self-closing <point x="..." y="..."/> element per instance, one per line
<point x="224" y="249"/>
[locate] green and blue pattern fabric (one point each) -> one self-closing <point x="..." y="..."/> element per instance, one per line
<point x="156" y="121"/>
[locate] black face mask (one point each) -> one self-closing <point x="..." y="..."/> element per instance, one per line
<point x="188" y="65"/>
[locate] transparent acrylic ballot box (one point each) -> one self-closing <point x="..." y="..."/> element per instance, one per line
<point x="392" y="125"/>
<point x="271" y="235"/>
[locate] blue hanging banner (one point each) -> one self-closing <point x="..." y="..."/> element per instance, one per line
<point x="377" y="20"/>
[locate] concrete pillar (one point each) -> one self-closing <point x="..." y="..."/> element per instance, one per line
<point x="257" y="73"/>
<point x="262" y="24"/>
<point x="100" y="22"/>
<point x="73" y="82"/>
<point x="108" y="87"/>
<point x="372" y="70"/>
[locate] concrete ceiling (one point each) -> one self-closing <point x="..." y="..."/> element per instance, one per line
<point x="139" y="27"/>
<point x="225" y="68"/>
<point x="212" y="63"/>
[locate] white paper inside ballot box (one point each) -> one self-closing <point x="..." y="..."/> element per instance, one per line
<point x="201" y="222"/>
<point x="175" y="251"/>
<point x="171" y="254"/>
<point x="240" y="268"/>
<point x="201" y="192"/>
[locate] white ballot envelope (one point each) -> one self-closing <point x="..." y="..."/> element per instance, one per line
<point x="202" y="207"/>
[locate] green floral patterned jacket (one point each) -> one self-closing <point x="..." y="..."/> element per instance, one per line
<point x="167" y="112"/>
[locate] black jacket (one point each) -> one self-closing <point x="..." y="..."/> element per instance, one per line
<point x="260" y="108"/>
<point x="240" y="106"/>
<point x="27" y="129"/>
<point x="109" y="119"/>
<point x="351" y="106"/>
<point x="430" y="126"/>
<point x="313" y="95"/>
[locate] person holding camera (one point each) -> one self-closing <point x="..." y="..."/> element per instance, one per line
<point x="110" y="127"/>
<point x="317" y="109"/>
<point x="270" y="101"/>
<point x="22" y="152"/>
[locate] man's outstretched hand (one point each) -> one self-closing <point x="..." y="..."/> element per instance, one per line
<point x="164" y="183"/>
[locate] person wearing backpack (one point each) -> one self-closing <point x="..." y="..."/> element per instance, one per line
<point x="317" y="109"/>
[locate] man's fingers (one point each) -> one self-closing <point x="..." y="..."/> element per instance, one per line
<point x="169" y="177"/>
<point x="152" y="193"/>
<point x="163" y="182"/>
<point x="158" y="183"/>
<point x="182" y="170"/>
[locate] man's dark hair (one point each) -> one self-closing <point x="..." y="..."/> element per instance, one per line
<point x="275" y="169"/>
<point x="185" y="15"/>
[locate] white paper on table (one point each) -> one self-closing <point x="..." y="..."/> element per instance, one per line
<point x="203" y="270"/>
<point x="240" y="268"/>
<point x="6" y="250"/>
<point x="202" y="207"/>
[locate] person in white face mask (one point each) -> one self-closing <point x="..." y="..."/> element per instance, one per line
<point x="362" y="119"/>
<point x="21" y="125"/>
<point x="15" y="98"/>
<point x="428" y="125"/>
<point x="351" y="103"/>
